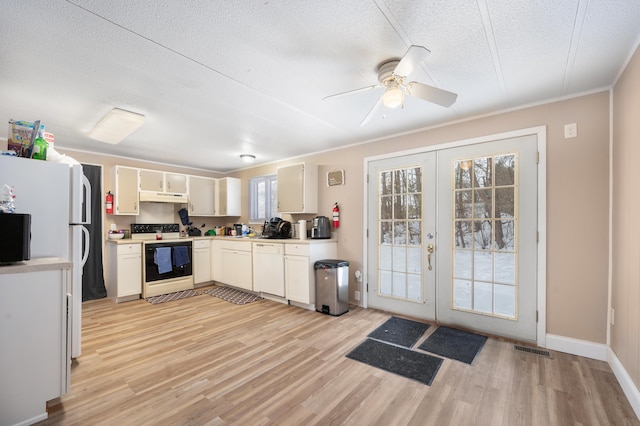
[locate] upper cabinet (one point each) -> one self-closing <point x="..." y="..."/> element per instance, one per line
<point x="202" y="192"/>
<point x="298" y="188"/>
<point x="228" y="197"/>
<point x="175" y="183"/>
<point x="204" y="196"/>
<point x="153" y="180"/>
<point x="125" y="181"/>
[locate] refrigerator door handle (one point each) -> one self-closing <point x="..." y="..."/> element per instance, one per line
<point x="85" y="245"/>
<point x="87" y="200"/>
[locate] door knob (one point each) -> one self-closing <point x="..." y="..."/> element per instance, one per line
<point x="430" y="250"/>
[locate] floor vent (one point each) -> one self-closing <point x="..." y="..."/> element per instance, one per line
<point x="533" y="351"/>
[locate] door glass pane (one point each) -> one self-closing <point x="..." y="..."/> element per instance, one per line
<point x="504" y="301"/>
<point x="463" y="264"/>
<point x="400" y="258"/>
<point x="462" y="174"/>
<point x="400" y="249"/>
<point x="462" y="294"/>
<point x="485" y="249"/>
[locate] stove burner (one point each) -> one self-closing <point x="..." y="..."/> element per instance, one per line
<point x="145" y="228"/>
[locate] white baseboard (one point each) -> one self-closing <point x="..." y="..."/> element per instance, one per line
<point x="577" y="347"/>
<point x="629" y="388"/>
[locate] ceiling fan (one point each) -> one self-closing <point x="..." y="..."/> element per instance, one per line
<point x="391" y="77"/>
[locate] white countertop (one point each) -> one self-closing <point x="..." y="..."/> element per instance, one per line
<point x="225" y="238"/>
<point x="36" y="265"/>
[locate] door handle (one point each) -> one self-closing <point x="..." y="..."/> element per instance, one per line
<point x="430" y="250"/>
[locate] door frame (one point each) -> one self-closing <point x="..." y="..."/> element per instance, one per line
<point x="541" y="133"/>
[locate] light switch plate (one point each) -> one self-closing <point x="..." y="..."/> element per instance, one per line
<point x="570" y="130"/>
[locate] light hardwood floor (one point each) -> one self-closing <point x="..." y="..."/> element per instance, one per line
<point x="206" y="361"/>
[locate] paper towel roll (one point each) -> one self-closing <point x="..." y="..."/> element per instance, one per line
<point x="302" y="229"/>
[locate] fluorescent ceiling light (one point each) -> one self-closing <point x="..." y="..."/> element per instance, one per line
<point x="248" y="158"/>
<point x="116" y="125"/>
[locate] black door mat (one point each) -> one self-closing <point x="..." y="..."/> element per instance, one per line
<point x="394" y="359"/>
<point x="455" y="344"/>
<point x="399" y="331"/>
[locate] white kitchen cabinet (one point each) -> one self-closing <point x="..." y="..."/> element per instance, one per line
<point x="175" y="183"/>
<point x="228" y="197"/>
<point x="298" y="188"/>
<point x="237" y="264"/>
<point x="35" y="354"/>
<point x="268" y="268"/>
<point x="299" y="275"/>
<point x="202" y="191"/>
<point x="151" y="180"/>
<point x="157" y="181"/>
<point x="124" y="271"/>
<point x="216" y="260"/>
<point x="201" y="261"/>
<point x="125" y="194"/>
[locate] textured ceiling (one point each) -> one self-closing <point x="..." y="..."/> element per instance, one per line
<point x="216" y="79"/>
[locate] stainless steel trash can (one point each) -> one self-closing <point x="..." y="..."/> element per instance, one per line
<point x="332" y="286"/>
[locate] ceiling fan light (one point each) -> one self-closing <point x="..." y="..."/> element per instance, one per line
<point x="248" y="158"/>
<point x="116" y="125"/>
<point x="393" y="98"/>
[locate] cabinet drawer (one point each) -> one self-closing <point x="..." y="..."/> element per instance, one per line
<point x="297" y="249"/>
<point x="198" y="244"/>
<point x="124" y="249"/>
<point x="237" y="245"/>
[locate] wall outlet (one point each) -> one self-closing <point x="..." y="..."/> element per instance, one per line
<point x="570" y="130"/>
<point x="356" y="295"/>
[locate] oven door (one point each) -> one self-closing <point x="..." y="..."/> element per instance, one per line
<point x="167" y="260"/>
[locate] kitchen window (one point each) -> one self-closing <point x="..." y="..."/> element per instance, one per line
<point x="263" y="196"/>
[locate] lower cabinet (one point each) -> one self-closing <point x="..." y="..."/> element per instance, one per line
<point x="201" y="261"/>
<point x="299" y="275"/>
<point x="237" y="264"/>
<point x="124" y="272"/>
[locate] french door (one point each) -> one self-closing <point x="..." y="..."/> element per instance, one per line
<point x="452" y="236"/>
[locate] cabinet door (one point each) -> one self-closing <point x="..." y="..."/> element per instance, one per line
<point x="129" y="275"/>
<point x="291" y="188"/>
<point x="151" y="180"/>
<point x="176" y="183"/>
<point x="216" y="260"/>
<point x="228" y="273"/>
<point x="201" y="265"/>
<point x="296" y="278"/>
<point x="244" y="270"/>
<point x="228" y="197"/>
<point x="201" y="196"/>
<point x="126" y="194"/>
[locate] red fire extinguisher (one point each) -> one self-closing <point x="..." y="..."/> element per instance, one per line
<point x="336" y="216"/>
<point x="109" y="203"/>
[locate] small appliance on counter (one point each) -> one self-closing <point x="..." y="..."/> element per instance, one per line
<point x="320" y="228"/>
<point x="15" y="229"/>
<point x="192" y="231"/>
<point x="276" y="228"/>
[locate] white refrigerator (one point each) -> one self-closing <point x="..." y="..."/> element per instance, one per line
<point x="57" y="196"/>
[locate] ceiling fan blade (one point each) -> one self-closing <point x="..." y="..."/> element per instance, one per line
<point x="431" y="94"/>
<point x="414" y="57"/>
<point x="371" y="112"/>
<point x="362" y="89"/>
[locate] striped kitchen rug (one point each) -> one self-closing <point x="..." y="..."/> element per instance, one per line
<point x="232" y="295"/>
<point x="154" y="300"/>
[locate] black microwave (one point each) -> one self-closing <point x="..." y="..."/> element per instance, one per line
<point x="15" y="245"/>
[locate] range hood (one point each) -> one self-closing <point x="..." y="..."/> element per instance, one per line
<point x="162" y="197"/>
